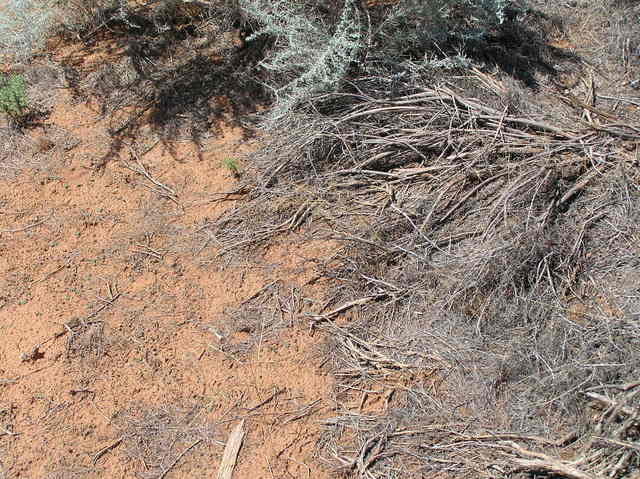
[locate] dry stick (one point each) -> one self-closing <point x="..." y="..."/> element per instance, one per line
<point x="273" y="175"/>
<point x="6" y="432"/>
<point x="451" y="183"/>
<point x="623" y="387"/>
<point x="106" y="304"/>
<point x="345" y="237"/>
<point x="510" y="190"/>
<point x="495" y="115"/>
<point x="543" y="462"/>
<point x="373" y="159"/>
<point x="363" y="172"/>
<point x="318" y="318"/>
<point x="622" y="463"/>
<point x="562" y="442"/>
<point x="289" y="225"/>
<point x="574" y="101"/>
<point x="161" y="193"/>
<point x="555" y="467"/>
<point x="370" y="451"/>
<point x="624" y="444"/>
<point x="395" y="109"/>
<point x="614" y="129"/>
<point x="166" y="471"/>
<point x="578" y="242"/>
<point x="275" y="394"/>
<point x="469" y="194"/>
<point x="231" y="450"/>
<point x="33" y="225"/>
<point x="106" y="449"/>
<point x="614" y="411"/>
<point x="141" y="170"/>
<point x="579" y="186"/>
<point x="150" y="252"/>
<point x="373" y="356"/>
<point x="630" y="100"/>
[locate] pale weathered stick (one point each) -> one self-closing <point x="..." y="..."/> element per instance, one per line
<point x="561" y="468"/>
<point x="543" y="462"/>
<point x="231" y="450"/>
<point x="318" y="318"/>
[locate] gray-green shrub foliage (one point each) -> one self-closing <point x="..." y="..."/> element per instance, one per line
<point x="308" y="56"/>
<point x="24" y="25"/>
<point x="415" y="28"/>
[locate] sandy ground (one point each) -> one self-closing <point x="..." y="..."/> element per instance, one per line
<point x="117" y="358"/>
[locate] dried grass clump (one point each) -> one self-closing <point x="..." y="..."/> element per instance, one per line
<point x="16" y="151"/>
<point x="470" y="233"/>
<point x="27" y="94"/>
<point x="261" y="317"/>
<point x="481" y="403"/>
<point x="19" y="152"/>
<point x="160" y="438"/>
<point x="24" y="25"/>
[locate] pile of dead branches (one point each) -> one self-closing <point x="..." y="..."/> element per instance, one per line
<point x="488" y="263"/>
<point x="490" y="317"/>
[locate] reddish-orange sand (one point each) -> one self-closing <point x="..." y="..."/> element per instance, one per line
<point x="112" y="316"/>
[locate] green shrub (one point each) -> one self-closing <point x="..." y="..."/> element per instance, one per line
<point x="308" y="56"/>
<point x="13" y="95"/>
<point x="232" y="165"/>
<point x="312" y="49"/>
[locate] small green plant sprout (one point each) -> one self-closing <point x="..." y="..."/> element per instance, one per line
<point x="232" y="165"/>
<point x="13" y="95"/>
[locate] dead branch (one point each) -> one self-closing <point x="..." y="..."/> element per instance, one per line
<point x="319" y="318"/>
<point x="231" y="450"/>
<point x="543" y="462"/>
